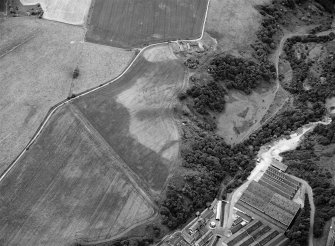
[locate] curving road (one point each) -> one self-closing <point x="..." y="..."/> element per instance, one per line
<point x="309" y="191"/>
<point x="53" y="109"/>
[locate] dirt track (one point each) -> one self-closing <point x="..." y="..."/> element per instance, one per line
<point x="16" y="165"/>
<point x="69" y="182"/>
<point x="131" y="23"/>
<point x="37" y="58"/>
<point x="134" y="114"/>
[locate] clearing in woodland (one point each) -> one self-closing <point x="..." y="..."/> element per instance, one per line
<point x="37" y="59"/>
<point x="68" y="11"/>
<point x="243" y="113"/>
<point x="135" y="23"/>
<point x="233" y="23"/>
<point x="134" y="114"/>
<point x="70" y="183"/>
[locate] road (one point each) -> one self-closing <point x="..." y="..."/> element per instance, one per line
<point x="60" y="104"/>
<point x="309" y="192"/>
<point x="266" y="154"/>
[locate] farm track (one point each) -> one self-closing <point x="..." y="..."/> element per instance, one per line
<point x="135" y="180"/>
<point x="60" y="104"/>
<point x="141" y="24"/>
<point x="130" y="174"/>
<point x="309" y="192"/>
<point x="276" y="60"/>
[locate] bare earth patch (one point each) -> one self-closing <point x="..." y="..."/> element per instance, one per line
<point x="68" y="11"/>
<point x="37" y="58"/>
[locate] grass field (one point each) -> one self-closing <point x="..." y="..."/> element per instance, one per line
<point x="135" y="23"/>
<point x="243" y="113"/>
<point x="233" y="23"/>
<point x="67" y="11"/>
<point x="37" y="58"/>
<point x="68" y="183"/>
<point x="134" y="115"/>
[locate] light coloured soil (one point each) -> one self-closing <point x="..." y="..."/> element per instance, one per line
<point x="135" y="115"/>
<point x="149" y="102"/>
<point x="37" y="58"/>
<point x="67" y="185"/>
<point x="68" y="11"/>
<point x="233" y="22"/>
<point x="243" y="113"/>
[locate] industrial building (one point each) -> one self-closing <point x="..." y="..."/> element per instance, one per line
<point x="257" y="233"/>
<point x="261" y="202"/>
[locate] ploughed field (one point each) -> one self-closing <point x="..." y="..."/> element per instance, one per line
<point x="134" y="114"/>
<point x="68" y="184"/>
<point x="135" y="23"/>
<point x="95" y="167"/>
<point x="37" y="58"/>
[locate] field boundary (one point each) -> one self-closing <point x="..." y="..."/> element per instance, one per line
<point x="53" y="109"/>
<point x="130" y="174"/>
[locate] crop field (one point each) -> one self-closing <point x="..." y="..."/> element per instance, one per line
<point x="2" y="5"/>
<point x="69" y="183"/>
<point x="37" y="58"/>
<point x="134" y="115"/>
<point x="67" y="11"/>
<point x="233" y="23"/>
<point x="135" y="23"/>
<point x="243" y="113"/>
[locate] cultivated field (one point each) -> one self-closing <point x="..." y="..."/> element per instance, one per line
<point x="233" y="23"/>
<point x="135" y="23"/>
<point x="243" y="113"/>
<point x="37" y="59"/>
<point x="69" y="183"/>
<point x="68" y="11"/>
<point x="134" y="115"/>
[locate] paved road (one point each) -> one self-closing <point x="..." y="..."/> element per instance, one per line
<point x="309" y="191"/>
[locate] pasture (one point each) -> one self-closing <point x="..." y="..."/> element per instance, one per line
<point x="68" y="11"/>
<point x="69" y="184"/>
<point x="37" y="58"/>
<point x="134" y="115"/>
<point x="243" y="113"/>
<point x="136" y="23"/>
<point x="233" y="23"/>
